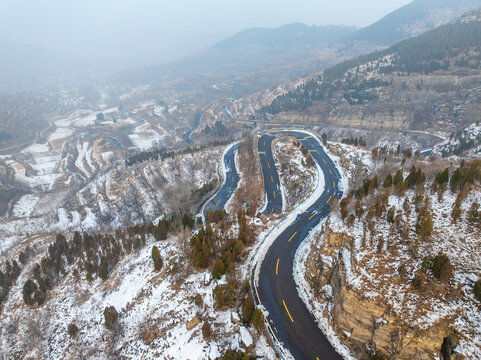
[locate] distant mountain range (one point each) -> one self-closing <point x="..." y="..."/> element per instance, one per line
<point x="411" y="20"/>
<point x="288" y="35"/>
<point x="431" y="80"/>
<point x="281" y="54"/>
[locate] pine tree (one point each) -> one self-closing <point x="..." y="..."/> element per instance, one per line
<point x="425" y="222"/>
<point x="477" y="290"/>
<point x="443" y="177"/>
<point x="156" y="258"/>
<point x="398" y="178"/>
<point x="206" y="330"/>
<point x="111" y="317"/>
<point x="258" y="319"/>
<point x="28" y="289"/>
<point x="248" y="308"/>
<point x="218" y="269"/>
<point x="442" y="268"/>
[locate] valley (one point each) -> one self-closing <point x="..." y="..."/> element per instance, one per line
<point x="294" y="192"/>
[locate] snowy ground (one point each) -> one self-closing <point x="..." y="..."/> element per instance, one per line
<point x="296" y="177"/>
<point x="154" y="309"/>
<point x="373" y="272"/>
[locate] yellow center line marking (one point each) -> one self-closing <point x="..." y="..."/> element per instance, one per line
<point x="292" y="236"/>
<point x="313" y="215"/>
<point x="330" y="172"/>
<point x="324" y="161"/>
<point x="272" y="179"/>
<point x="269" y="165"/>
<point x="277" y="267"/>
<point x="233" y="179"/>
<point x="317" y="358"/>
<point x="327" y="202"/>
<point x="274" y="194"/>
<point x="288" y="313"/>
<point x="217" y="203"/>
<point x="272" y="211"/>
<point x="229" y="190"/>
<point x="334" y="184"/>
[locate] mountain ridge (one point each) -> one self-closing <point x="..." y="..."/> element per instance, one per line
<point x="412" y="19"/>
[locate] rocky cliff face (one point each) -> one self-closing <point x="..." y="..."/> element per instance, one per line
<point x="367" y="325"/>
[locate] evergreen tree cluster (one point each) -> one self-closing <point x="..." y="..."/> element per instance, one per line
<point x="463" y="142"/>
<point x="439" y="265"/>
<point x="8" y="276"/>
<point x="162" y="154"/>
<point x="354" y="141"/>
<point x="95" y="255"/>
<point x="204" y="190"/>
<point x="426" y="53"/>
<point x="468" y="174"/>
<point x="211" y="248"/>
<point x="218" y="129"/>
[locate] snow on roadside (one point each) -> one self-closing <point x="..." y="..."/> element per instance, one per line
<point x="269" y="236"/>
<point x="307" y="294"/>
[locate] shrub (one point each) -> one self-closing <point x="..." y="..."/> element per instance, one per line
<point x="425" y="222"/>
<point x="443" y="177"/>
<point x="388" y="181"/>
<point x="390" y="215"/>
<point x="248" y="309"/>
<point x="257" y="319"/>
<point x="73" y="330"/>
<point x="442" y="268"/>
<point x="477" y="290"/>
<point x="398" y="178"/>
<point x="198" y="300"/>
<point x="235" y="355"/>
<point x="111" y="317"/>
<point x="417" y="282"/>
<point x="188" y="221"/>
<point x="219" y="298"/>
<point x="206" y="330"/>
<point x="156" y="258"/>
<point x="473" y="215"/>
<point x="456" y="212"/>
<point x="137" y="243"/>
<point x="28" y="289"/>
<point x="218" y="269"/>
<point x="378" y="356"/>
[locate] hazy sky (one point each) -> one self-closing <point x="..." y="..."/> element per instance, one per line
<point x="148" y="31"/>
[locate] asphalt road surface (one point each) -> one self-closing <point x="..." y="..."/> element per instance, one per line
<point x="270" y="174"/>
<point x="231" y="181"/>
<point x="197" y="119"/>
<point x="292" y="323"/>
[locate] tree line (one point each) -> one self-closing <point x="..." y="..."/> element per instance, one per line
<point x="426" y="53"/>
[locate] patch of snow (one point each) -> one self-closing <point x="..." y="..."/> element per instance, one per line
<point x="25" y="205"/>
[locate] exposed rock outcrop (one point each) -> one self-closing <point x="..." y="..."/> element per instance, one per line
<point x="367" y="325"/>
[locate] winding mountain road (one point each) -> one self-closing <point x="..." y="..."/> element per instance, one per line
<point x="291" y="322"/>
<point x="197" y="119"/>
<point x="271" y="176"/>
<point x="231" y="181"/>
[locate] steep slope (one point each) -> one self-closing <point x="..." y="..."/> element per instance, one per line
<point x="412" y="19"/>
<point x="427" y="81"/>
